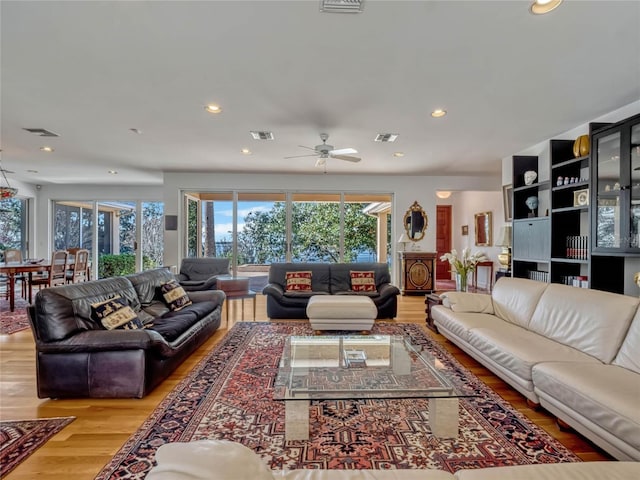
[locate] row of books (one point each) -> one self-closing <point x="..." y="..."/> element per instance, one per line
<point x="578" y="247"/>
<point x="538" y="275"/>
<point x="580" y="281"/>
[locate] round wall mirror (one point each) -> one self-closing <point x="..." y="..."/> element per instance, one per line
<point x="415" y="222"/>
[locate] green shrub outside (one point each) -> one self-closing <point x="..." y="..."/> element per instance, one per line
<point x="117" y="265"/>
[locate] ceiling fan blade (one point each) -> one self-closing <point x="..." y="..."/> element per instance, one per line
<point x="310" y="148"/>
<point x="343" y="151"/>
<point x="321" y="162"/>
<point x="298" y="156"/>
<point x="347" y="158"/>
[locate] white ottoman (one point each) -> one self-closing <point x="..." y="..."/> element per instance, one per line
<point x="341" y="312"/>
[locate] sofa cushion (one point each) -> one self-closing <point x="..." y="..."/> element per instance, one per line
<point x="606" y="395"/>
<point x="515" y="299"/>
<point x="201" y="269"/>
<point x="115" y="313"/>
<point x="146" y="284"/>
<point x="461" y="323"/>
<point x="592" y="321"/>
<point x="518" y="350"/>
<point x="341" y="275"/>
<point x="628" y="356"/>
<point x="174" y="295"/>
<point x="363" y="281"/>
<point x="298" y="281"/>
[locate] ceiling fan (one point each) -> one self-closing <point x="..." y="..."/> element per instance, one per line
<point x="324" y="151"/>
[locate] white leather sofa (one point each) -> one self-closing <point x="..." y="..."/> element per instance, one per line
<point x="222" y="460"/>
<point x="574" y="351"/>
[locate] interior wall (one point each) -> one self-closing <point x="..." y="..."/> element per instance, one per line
<point x="465" y="205"/>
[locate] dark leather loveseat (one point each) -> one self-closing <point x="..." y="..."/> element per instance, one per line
<point x="77" y="357"/>
<point x="327" y="279"/>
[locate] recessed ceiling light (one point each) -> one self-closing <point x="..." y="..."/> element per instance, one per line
<point x="113" y="172"/>
<point x="213" y="108"/>
<point x="540" y="7"/>
<point x="438" y="112"/>
<point x="398" y="154"/>
<point x="245" y="151"/>
<point x="46" y="149"/>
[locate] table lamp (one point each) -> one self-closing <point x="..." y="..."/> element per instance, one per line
<point x="403" y="240"/>
<point x="504" y="241"/>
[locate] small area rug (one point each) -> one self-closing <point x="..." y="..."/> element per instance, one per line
<point x="20" y="438"/>
<point x="12" y="322"/>
<point x="228" y="395"/>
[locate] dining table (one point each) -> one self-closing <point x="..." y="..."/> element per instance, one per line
<point x="11" y="269"/>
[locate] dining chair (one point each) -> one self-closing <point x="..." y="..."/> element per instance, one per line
<point x="57" y="274"/>
<point x="77" y="271"/>
<point x="13" y="255"/>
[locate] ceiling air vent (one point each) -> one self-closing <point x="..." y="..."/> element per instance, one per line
<point x="41" y="132"/>
<point x="386" y="137"/>
<point x="258" y="135"/>
<point x="341" y="6"/>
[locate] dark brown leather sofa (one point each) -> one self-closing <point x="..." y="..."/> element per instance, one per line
<point x="77" y="357"/>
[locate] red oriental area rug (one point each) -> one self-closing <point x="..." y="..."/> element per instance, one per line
<point x="20" y="438"/>
<point x="229" y="395"/>
<point x="12" y="322"/>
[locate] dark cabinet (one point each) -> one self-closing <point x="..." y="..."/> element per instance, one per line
<point x="418" y="270"/>
<point x="615" y="202"/>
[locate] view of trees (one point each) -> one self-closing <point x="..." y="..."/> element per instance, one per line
<point x="315" y="233"/>
<point x="11" y="223"/>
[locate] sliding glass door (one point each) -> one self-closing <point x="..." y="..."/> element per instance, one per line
<point x="259" y="228"/>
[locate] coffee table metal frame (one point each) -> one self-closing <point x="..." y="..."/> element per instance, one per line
<point x="318" y="368"/>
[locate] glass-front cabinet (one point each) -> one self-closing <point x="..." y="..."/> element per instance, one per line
<point x="616" y="195"/>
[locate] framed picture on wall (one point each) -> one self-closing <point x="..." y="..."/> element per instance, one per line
<point x="507" y="202"/>
<point x="465" y="229"/>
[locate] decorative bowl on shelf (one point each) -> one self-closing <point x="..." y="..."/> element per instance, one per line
<point x="581" y="146"/>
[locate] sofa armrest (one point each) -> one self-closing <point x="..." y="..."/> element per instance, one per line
<point x="104" y="340"/>
<point x="216" y="296"/>
<point x="387" y="290"/>
<point x="468" y="302"/>
<point x="273" y="289"/>
<point x="181" y="277"/>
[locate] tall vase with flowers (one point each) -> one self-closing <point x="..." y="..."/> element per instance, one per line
<point x="463" y="265"/>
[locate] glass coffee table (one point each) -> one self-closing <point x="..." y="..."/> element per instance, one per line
<point x="326" y="367"/>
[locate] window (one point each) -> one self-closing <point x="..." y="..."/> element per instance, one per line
<point x="13" y="225"/>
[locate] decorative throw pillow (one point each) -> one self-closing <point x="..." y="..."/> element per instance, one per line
<point x="115" y="313"/>
<point x="174" y="295"/>
<point x="363" y="281"/>
<point x="298" y="281"/>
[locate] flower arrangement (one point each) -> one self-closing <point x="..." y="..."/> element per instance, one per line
<point x="463" y="265"/>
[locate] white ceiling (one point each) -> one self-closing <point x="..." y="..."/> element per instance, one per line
<point x="90" y="71"/>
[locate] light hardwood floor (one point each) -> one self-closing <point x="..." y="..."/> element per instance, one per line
<point x="101" y="427"/>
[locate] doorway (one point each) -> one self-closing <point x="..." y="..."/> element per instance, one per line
<point x="443" y="240"/>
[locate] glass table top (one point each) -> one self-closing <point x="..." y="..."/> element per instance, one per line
<point x="325" y="367"/>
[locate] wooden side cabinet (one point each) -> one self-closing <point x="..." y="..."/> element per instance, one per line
<point x="417" y="272"/>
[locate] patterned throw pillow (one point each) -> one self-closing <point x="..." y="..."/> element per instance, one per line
<point x="298" y="281"/>
<point x="115" y="313"/>
<point x="174" y="295"/>
<point x="363" y="281"/>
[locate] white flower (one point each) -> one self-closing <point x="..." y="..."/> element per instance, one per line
<point x="465" y="264"/>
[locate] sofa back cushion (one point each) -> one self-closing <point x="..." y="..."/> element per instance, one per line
<point x="515" y="299"/>
<point x="592" y="321"/>
<point x="202" y="269"/>
<point x="341" y="274"/>
<point x="147" y="285"/>
<point x="628" y="356"/>
<point x="63" y="311"/>
<point x="319" y="274"/>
